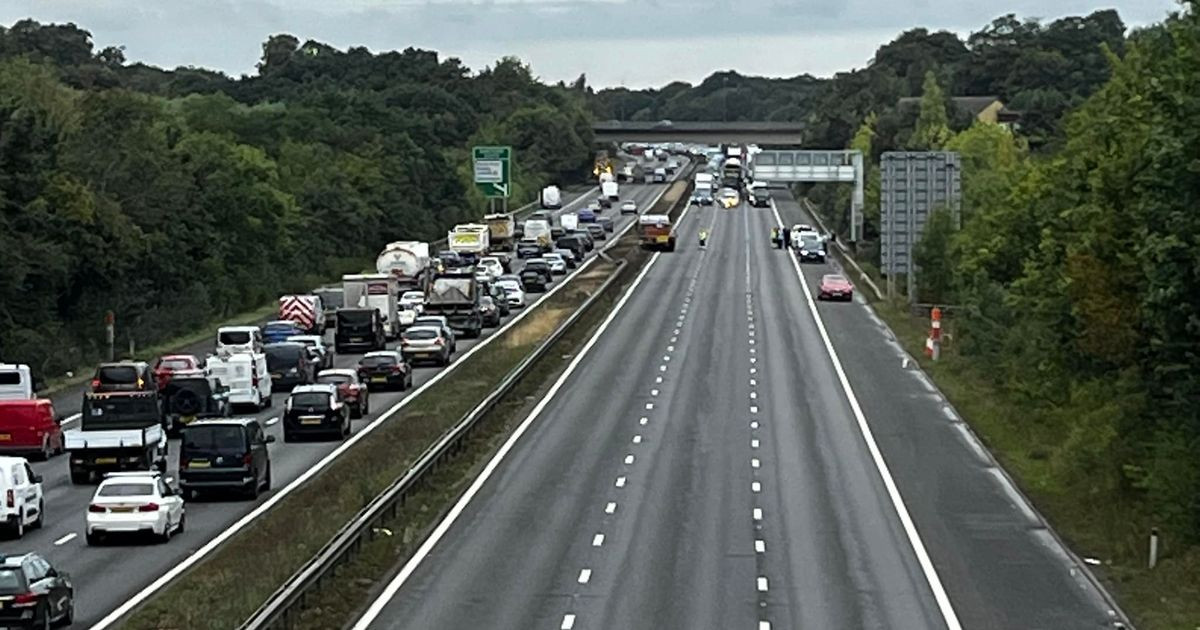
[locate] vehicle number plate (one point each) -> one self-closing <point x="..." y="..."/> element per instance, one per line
<point x="378" y="379"/>
<point x="661" y="239"/>
<point x="106" y="460"/>
<point x="356" y="339"/>
<point x="201" y="463"/>
<point x="310" y="420"/>
<point x="5" y="437"/>
<point x="121" y="509"/>
<point x="273" y="375"/>
<point x="188" y="419"/>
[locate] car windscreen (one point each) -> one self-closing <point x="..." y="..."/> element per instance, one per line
<point x="215" y="439"/>
<point x="12" y="581"/>
<point x="417" y="334"/>
<point x="355" y="318"/>
<point x="175" y="364"/>
<point x="234" y="338"/>
<point x="335" y="379"/>
<point x="811" y="245"/>
<point x="275" y="329"/>
<point x="126" y="490"/>
<point x="283" y="356"/>
<point x="378" y="361"/>
<point x="332" y="299"/>
<point x="118" y="375"/>
<point x="312" y="401"/>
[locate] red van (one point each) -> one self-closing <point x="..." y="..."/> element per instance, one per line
<point x="30" y="426"/>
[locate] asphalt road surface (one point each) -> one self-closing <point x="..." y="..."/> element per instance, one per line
<point x="709" y="463"/>
<point x="107" y="576"/>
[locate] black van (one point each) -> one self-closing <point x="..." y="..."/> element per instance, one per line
<point x="224" y="454"/>
<point x="358" y="329"/>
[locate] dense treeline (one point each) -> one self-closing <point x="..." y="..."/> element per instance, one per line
<point x="1075" y="279"/>
<point x="175" y="197"/>
<point x="1040" y="69"/>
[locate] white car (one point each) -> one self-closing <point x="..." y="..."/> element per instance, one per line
<point x="558" y="266"/>
<point x="22" y="507"/>
<point x="492" y="265"/>
<point x="512" y="290"/>
<point x="134" y="503"/>
<point x="629" y="207"/>
<point x="412" y="300"/>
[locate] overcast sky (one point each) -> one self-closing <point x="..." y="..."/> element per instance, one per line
<point x="636" y="43"/>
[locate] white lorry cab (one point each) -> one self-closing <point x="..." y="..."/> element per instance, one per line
<point x="551" y="198"/>
<point x="232" y="339"/>
<point x="16" y="382"/>
<point x="246" y="375"/>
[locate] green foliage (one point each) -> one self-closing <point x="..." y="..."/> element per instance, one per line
<point x="933" y="126"/>
<point x="176" y="198"/>
<point x="934" y="259"/>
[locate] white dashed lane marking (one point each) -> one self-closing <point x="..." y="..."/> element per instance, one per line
<point x="760" y="546"/>
<point x="754" y="463"/>
<point x="610" y="508"/>
<point x="597" y="540"/>
<point x="762" y="584"/>
<point x="620" y="482"/>
<point x="585" y="575"/>
<point x="628" y="460"/>
<point x="637" y="439"/>
<point x="568" y="622"/>
<point x="643" y="420"/>
<point x="757" y="514"/>
<point x="65" y="539"/>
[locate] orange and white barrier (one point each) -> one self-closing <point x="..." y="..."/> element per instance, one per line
<point x="933" y="345"/>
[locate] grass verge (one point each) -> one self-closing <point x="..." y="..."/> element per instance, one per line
<point x="1109" y="529"/>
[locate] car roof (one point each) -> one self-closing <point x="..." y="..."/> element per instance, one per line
<point x="282" y="344"/>
<point x="317" y="388"/>
<point x="381" y="353"/>
<point x="131" y="476"/>
<point x="302" y="338"/>
<point x="237" y="329"/>
<point x="337" y="372"/>
<point x="12" y="459"/>
<point x="210" y="422"/>
<point x="436" y="329"/>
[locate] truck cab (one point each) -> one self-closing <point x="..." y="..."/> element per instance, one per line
<point x="16" y="382"/>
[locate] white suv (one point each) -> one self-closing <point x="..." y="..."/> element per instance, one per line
<point x="21" y="492"/>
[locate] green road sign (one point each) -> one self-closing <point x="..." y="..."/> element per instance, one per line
<point x="493" y="170"/>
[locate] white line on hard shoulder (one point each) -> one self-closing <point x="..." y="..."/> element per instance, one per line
<point x="945" y="607"/>
<point x="65" y="539"/>
<point x="568" y="622"/>
<point x="597" y="540"/>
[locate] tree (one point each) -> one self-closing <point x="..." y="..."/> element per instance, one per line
<point x="933" y="126"/>
<point x="277" y="51"/>
<point x="935" y="259"/>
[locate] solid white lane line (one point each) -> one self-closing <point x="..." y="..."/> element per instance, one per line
<point x="945" y="607"/>
<point x="597" y="540"/>
<point x="65" y="539"/>
<point x="762" y="584"/>
<point x="757" y="514"/>
<point x="620" y="482"/>
<point x="377" y="606"/>
<point x="585" y="575"/>
<point x="568" y="622"/>
<point x="628" y="460"/>
<point x="610" y="508"/>
<point x="760" y="546"/>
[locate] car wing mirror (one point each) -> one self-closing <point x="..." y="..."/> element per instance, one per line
<point x="270" y="439"/>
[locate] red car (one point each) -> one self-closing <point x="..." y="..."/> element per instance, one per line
<point x="835" y="287"/>
<point x="168" y="365"/>
<point x="351" y="389"/>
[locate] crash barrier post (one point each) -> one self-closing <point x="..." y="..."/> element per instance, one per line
<point x="933" y="345"/>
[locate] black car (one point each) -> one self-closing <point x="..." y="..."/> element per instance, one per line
<point x="290" y="364"/>
<point x="33" y="594"/>
<point x="760" y="198"/>
<point x="703" y="198"/>
<point x="585" y="236"/>
<point x="541" y="266"/>
<point x="316" y="410"/>
<point x="606" y="223"/>
<point x="358" y="329"/>
<point x="812" y="251"/>
<point x="568" y="257"/>
<point x="224" y="454"/>
<point x="573" y="244"/>
<point x="490" y="311"/>
<point x="533" y="280"/>
<point x="596" y="231"/>
<point x="190" y="395"/>
<point x="385" y="369"/>
<point x="528" y="248"/>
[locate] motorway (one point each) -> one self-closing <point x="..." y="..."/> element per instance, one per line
<point x="106" y="577"/>
<point x="730" y="454"/>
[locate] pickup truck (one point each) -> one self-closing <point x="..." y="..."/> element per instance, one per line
<point x="117" y="431"/>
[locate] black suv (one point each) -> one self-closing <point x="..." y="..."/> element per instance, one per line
<point x="533" y="280"/>
<point x="358" y="329"/>
<point x="541" y="266"/>
<point x="574" y="243"/>
<point x="224" y="454"/>
<point x="313" y="410"/>
<point x="192" y="395"/>
<point x="35" y="594"/>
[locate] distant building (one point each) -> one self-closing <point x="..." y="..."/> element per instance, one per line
<point x="989" y="109"/>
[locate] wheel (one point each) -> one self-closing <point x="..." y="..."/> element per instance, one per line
<point x="182" y="521"/>
<point x="408" y="381"/>
<point x="366" y="405"/>
<point x="165" y="537"/>
<point x="356" y="411"/>
<point x="68" y="616"/>
<point x="41" y="515"/>
<point x="46" y="452"/>
<point x="80" y="477"/>
<point x="346" y="429"/>
<point x="269" y="402"/>
<point x="44" y="621"/>
<point x="93" y="539"/>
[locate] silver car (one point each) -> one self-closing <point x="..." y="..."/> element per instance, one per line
<point x="425" y="343"/>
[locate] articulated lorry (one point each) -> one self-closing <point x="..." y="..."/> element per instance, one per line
<point x="455" y="295"/>
<point x="407" y="262"/>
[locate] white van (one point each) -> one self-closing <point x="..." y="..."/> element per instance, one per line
<point x="15" y="382"/>
<point x="23" y="488"/>
<point x="232" y="339"/>
<point x="246" y="375"/>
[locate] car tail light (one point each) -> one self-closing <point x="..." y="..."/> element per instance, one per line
<point x="24" y="600"/>
<point x="247" y="460"/>
<point x="9" y="499"/>
<point x="149" y="507"/>
<point x="95" y="383"/>
<point x="97" y="509"/>
<point x="397" y="369"/>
